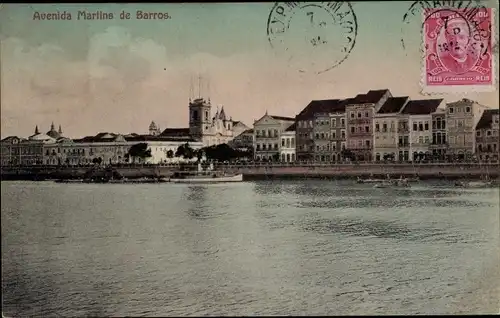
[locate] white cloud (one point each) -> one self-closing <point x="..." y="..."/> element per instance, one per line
<point x="126" y="82"/>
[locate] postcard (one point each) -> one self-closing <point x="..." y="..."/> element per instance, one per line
<point x="272" y="158"/>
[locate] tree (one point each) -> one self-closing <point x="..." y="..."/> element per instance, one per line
<point x="139" y="150"/>
<point x="185" y="151"/>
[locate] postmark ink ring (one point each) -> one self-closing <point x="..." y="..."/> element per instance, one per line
<point x="315" y="36"/>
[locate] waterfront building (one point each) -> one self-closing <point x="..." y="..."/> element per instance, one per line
<point x="360" y="112"/>
<point x="287" y="149"/>
<point x="215" y="130"/>
<point x="304" y="130"/>
<point x="28" y="151"/>
<point x="314" y="130"/>
<point x="385" y="129"/>
<point x="439" y="142"/>
<point x="111" y="148"/>
<point x="338" y="131"/>
<point x="267" y="136"/>
<point x="419" y="114"/>
<point x="487" y="136"/>
<point x="461" y="118"/>
<point x="244" y="141"/>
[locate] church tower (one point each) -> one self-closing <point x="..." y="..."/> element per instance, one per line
<point x="199" y="114"/>
<point x="199" y="118"/>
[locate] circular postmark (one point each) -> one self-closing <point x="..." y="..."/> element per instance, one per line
<point x="458" y="41"/>
<point x="414" y="16"/>
<point x="315" y="36"/>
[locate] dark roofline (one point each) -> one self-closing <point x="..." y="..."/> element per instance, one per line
<point x="486" y="118"/>
<point x="282" y="118"/>
<point x="421" y="107"/>
<point x="292" y="127"/>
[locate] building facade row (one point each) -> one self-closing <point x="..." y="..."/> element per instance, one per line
<point x="377" y="126"/>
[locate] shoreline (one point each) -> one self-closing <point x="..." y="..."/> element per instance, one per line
<point x="273" y="172"/>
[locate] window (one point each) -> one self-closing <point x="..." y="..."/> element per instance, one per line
<point x="334" y="146"/>
<point x="426" y="126"/>
<point x="317" y="135"/>
<point x="367" y="143"/>
<point x="426" y="139"/>
<point x="275" y="146"/>
<point x="488" y="133"/>
<point x="460" y="123"/>
<point x="333" y="123"/>
<point x="342" y="134"/>
<point x="367" y="115"/>
<point x="434" y="125"/>
<point x="420" y="139"/>
<point x="367" y="128"/>
<point x="467" y="109"/>
<point x="415" y="126"/>
<point x="334" y="135"/>
<point x="478" y="133"/>
<point x="359" y="114"/>
<point x="377" y="127"/>
<point x="322" y="135"/>
<point x="282" y="142"/>
<point x="384" y="127"/>
<point x="352" y="114"/>
<point x="342" y="122"/>
<point x="352" y="130"/>
<point x="450" y="110"/>
<point x="420" y="126"/>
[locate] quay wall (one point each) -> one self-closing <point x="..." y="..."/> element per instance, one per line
<point x="424" y="171"/>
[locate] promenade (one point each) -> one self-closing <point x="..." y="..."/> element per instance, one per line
<point x="274" y="171"/>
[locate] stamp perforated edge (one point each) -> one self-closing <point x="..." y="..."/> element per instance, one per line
<point x="459" y="89"/>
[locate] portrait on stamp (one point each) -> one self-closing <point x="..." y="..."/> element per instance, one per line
<point x="458" y="48"/>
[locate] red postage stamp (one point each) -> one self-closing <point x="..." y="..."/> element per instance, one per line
<point x="458" y="50"/>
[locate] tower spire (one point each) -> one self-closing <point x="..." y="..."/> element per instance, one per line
<point x="60" y="130"/>
<point x="191" y="89"/>
<point x="36" y="130"/>
<point x="199" y="86"/>
<point x="52" y="126"/>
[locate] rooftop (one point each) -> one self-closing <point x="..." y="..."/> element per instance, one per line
<point x="175" y="132"/>
<point x="322" y="106"/>
<point x="421" y="107"/>
<point x="487" y="118"/>
<point x="371" y="97"/>
<point x="292" y="127"/>
<point x="282" y="118"/>
<point x="393" y="105"/>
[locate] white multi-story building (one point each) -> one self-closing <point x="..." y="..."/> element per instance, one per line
<point x="419" y="114"/>
<point x="385" y="129"/>
<point x="110" y="148"/>
<point x="287" y="148"/>
<point x="267" y="136"/>
<point x="106" y="148"/>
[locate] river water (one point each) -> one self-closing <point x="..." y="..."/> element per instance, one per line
<point x="252" y="248"/>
